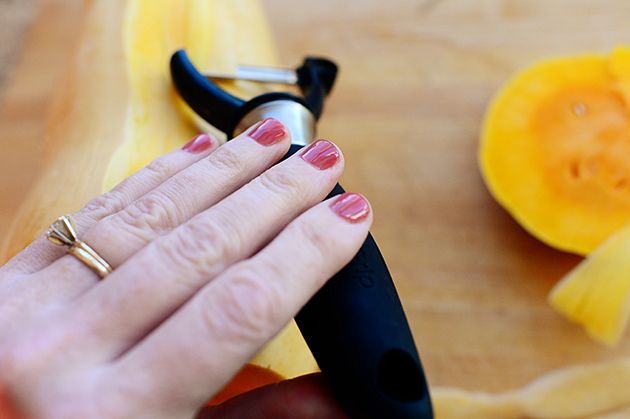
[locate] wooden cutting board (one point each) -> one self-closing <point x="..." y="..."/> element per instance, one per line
<point x="415" y="79"/>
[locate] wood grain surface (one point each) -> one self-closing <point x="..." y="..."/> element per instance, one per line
<point x="415" y="79"/>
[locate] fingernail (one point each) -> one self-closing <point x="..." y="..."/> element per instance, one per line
<point x="198" y="144"/>
<point x="351" y="206"/>
<point x="322" y="154"/>
<point x="268" y="131"/>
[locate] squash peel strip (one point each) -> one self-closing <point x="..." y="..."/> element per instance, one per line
<point x="600" y="390"/>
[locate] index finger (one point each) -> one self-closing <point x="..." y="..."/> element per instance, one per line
<point x="201" y="346"/>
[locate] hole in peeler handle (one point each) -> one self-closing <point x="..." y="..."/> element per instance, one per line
<point x="400" y="376"/>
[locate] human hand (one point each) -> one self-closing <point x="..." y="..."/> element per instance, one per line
<point x="214" y="251"/>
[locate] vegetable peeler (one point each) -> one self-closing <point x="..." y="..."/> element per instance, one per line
<point x="355" y="325"/>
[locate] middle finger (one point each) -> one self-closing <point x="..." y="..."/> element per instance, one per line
<point x="167" y="272"/>
<point x="120" y="235"/>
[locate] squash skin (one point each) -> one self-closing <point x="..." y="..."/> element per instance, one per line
<point x="550" y="187"/>
<point x="116" y="110"/>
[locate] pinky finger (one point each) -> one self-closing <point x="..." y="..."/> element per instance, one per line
<point x="204" y="344"/>
<point x="40" y="253"/>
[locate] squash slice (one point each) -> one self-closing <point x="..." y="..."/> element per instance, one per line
<point x="596" y="294"/>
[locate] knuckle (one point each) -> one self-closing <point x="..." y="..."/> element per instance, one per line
<point x="103" y="205"/>
<point x="319" y="241"/>
<point x="251" y="308"/>
<point x="227" y="159"/>
<point x="180" y="253"/>
<point x="159" y="169"/>
<point x="281" y="182"/>
<point x="151" y="215"/>
<point x="199" y="246"/>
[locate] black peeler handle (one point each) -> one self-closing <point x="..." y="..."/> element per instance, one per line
<point x="358" y="333"/>
<point x="355" y="325"/>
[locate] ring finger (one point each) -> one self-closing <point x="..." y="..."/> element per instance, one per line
<point x="29" y="294"/>
<point x="167" y="272"/>
<point x="40" y="253"/>
<point x="193" y="189"/>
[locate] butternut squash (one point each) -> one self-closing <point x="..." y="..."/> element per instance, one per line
<point x="555" y="146"/>
<point x="596" y="294"/>
<point x="554" y="152"/>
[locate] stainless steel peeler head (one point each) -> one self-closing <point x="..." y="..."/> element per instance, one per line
<point x="232" y="115"/>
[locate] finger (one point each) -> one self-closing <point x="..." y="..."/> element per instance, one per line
<point x="305" y="397"/>
<point x="119" y="236"/>
<point x="29" y="294"/>
<point x="200" y="347"/>
<point x="41" y="253"/>
<point x="171" y="269"/>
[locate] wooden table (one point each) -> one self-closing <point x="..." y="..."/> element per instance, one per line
<point x="415" y="79"/>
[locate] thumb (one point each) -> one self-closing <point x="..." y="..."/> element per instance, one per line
<point x="305" y="397"/>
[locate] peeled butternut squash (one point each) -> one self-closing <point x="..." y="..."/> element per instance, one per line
<point x="554" y="153"/>
<point x="116" y="110"/>
<point x="555" y="148"/>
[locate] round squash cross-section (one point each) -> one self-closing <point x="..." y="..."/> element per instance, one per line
<point x="555" y="149"/>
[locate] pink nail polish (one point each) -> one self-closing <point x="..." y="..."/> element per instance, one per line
<point x="351" y="206"/>
<point x="268" y="131"/>
<point x="198" y="144"/>
<point x="322" y="154"/>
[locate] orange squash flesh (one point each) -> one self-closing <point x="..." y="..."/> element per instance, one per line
<point x="249" y="378"/>
<point x="596" y="293"/>
<point x="555" y="152"/>
<point x="555" y="149"/>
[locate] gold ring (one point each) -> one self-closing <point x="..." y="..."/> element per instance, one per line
<point x="64" y="233"/>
